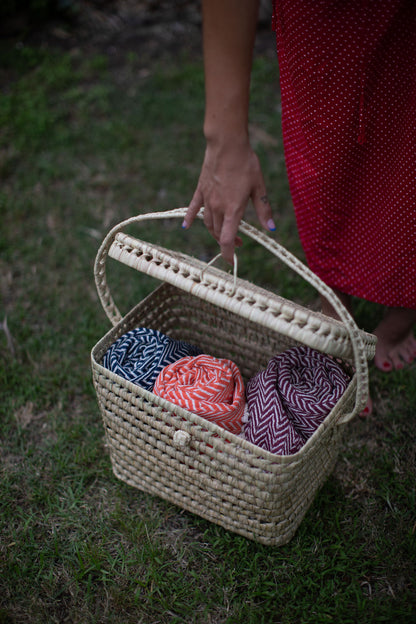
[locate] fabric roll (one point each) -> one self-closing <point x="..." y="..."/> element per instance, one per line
<point x="288" y="401"/>
<point x="210" y="387"/>
<point x="140" y="355"/>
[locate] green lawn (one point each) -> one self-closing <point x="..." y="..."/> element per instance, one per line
<point x="83" y="146"/>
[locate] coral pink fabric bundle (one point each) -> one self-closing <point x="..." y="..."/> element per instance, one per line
<point x="288" y="401"/>
<point x="210" y="387"/>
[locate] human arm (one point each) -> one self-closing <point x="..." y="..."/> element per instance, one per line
<point x="231" y="174"/>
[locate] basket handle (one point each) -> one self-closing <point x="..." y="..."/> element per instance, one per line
<point x="360" y="361"/>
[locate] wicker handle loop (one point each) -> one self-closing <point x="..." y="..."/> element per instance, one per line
<point x="235" y="271"/>
<point x="360" y="361"/>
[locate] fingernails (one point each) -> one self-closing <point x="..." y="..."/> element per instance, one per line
<point x="386" y="365"/>
<point x="184" y="225"/>
<point x="271" y="225"/>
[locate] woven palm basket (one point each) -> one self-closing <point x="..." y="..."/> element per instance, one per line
<point x="165" y="450"/>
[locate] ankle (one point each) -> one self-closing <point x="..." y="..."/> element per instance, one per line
<point x="328" y="309"/>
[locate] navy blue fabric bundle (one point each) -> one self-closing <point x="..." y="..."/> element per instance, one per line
<point x="141" y="354"/>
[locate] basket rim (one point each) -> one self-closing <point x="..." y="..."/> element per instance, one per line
<point x="222" y="435"/>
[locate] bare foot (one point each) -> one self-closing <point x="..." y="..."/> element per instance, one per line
<point x="396" y="344"/>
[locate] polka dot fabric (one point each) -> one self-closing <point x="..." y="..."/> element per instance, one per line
<point x="348" y="87"/>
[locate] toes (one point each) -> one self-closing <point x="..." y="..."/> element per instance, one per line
<point x="396" y="361"/>
<point x="408" y="355"/>
<point x="383" y="363"/>
<point x="368" y="409"/>
<point x="402" y="355"/>
<point x="386" y="366"/>
<point x="395" y="358"/>
<point x="396" y="346"/>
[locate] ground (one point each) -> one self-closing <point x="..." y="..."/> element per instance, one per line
<point x="153" y="30"/>
<point x="80" y="149"/>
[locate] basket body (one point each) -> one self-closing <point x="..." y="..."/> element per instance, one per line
<point x="207" y="470"/>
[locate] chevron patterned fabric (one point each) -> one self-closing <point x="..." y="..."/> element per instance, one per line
<point x="140" y="355"/>
<point x="288" y="401"/>
<point x="210" y="387"/>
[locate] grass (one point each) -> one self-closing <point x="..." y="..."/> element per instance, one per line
<point x="83" y="146"/>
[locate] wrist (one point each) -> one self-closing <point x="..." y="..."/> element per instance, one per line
<point x="226" y="114"/>
<point x="226" y="134"/>
<point x="227" y="142"/>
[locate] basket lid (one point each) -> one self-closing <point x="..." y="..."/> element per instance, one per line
<point x="239" y="296"/>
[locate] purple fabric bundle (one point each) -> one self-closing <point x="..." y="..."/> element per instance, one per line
<point x="288" y="401"/>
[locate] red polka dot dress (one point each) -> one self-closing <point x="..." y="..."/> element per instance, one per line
<point x="348" y="88"/>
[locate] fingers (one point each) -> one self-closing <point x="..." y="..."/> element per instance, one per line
<point x="224" y="227"/>
<point x="228" y="181"/>
<point x="228" y="238"/>
<point x="263" y="208"/>
<point x="194" y="207"/>
<point x="209" y="221"/>
<point x="213" y="220"/>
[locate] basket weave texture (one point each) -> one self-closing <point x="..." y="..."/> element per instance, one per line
<point x="165" y="450"/>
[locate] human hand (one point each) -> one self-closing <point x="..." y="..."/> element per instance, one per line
<point x="230" y="176"/>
